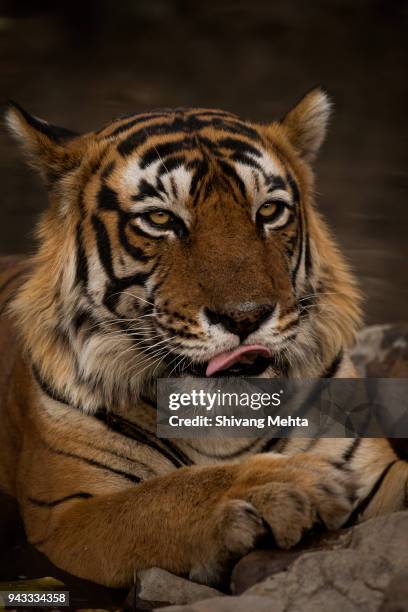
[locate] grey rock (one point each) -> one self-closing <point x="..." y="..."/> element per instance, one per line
<point x="381" y="351"/>
<point x="259" y="564"/>
<point x="245" y="603"/>
<point x="157" y="585"/>
<point x="396" y="595"/>
<point x="351" y="577"/>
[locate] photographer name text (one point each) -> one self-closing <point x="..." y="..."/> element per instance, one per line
<point x="224" y="421"/>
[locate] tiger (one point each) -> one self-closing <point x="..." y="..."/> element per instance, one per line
<point x="178" y="242"/>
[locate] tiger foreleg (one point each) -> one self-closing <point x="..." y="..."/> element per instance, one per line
<point x="194" y="521"/>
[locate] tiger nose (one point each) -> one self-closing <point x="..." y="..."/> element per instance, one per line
<point x="240" y="319"/>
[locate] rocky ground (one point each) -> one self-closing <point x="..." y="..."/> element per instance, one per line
<point x="364" y="568"/>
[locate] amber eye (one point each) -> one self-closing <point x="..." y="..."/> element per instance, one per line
<point x="163" y="221"/>
<point x="273" y="215"/>
<point x="269" y="210"/>
<point x="159" y="217"/>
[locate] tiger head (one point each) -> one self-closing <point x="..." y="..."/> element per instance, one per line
<point x="181" y="242"/>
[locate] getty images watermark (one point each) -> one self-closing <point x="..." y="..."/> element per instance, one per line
<point x="193" y="407"/>
<point x="218" y="401"/>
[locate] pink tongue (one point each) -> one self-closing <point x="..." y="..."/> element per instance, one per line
<point x="227" y="359"/>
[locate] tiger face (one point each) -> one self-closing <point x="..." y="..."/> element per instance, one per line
<point x="185" y="242"/>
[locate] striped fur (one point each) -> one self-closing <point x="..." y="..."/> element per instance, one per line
<point x="112" y="300"/>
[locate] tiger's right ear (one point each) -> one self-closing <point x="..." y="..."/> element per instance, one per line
<point x="306" y="123"/>
<point x="48" y="147"/>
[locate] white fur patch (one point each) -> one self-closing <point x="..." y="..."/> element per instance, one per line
<point x="257" y="189"/>
<point x="132" y="174"/>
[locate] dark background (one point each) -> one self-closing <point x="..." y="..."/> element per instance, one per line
<point x="79" y="64"/>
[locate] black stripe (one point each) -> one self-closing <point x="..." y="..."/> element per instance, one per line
<point x="140" y="232"/>
<point x="136" y="252"/>
<point x="208" y="189"/>
<point x="283" y="443"/>
<point x="161" y="151"/>
<point x="400" y="447"/>
<point x="180" y="125"/>
<point x="174" y="189"/>
<point x="107" y="198"/>
<point x="269" y="445"/>
<point x="79" y="318"/>
<point x="47" y="389"/>
<point x="333" y="367"/>
<point x="363" y="505"/>
<point x="92" y="462"/>
<point x="201" y="169"/>
<point x="232" y="455"/>
<point x="103" y="245"/>
<point x="216" y="113"/>
<point x="118" y="285"/>
<point x="236" y="127"/>
<point x="295" y="189"/>
<point x="202" y="187"/>
<point x="139" y="434"/>
<point x="11" y="278"/>
<point x="81" y="260"/>
<point x="308" y="255"/>
<point x="230" y="172"/>
<point x="135" y="121"/>
<point x="53" y="394"/>
<point x="208" y="144"/>
<point x="171" y="164"/>
<point x="7" y="302"/>
<point x="311" y="444"/>
<point x="51" y="504"/>
<point x="241" y="158"/>
<point x="275" y="181"/>
<point x="122" y="426"/>
<point x="241" y="146"/>
<point x="138" y="138"/>
<point x="107" y="171"/>
<point x="351" y="450"/>
<point x="300" y="248"/>
<point x="147" y="190"/>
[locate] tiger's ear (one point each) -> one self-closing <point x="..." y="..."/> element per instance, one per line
<point x="45" y="145"/>
<point x="306" y="123"/>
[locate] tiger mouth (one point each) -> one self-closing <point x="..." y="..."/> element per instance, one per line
<point x="245" y="367"/>
<point x="248" y="365"/>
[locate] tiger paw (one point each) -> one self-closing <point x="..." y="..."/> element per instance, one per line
<point x="284" y="497"/>
<point x="237" y="527"/>
<point x="292" y="494"/>
<point x="303" y="490"/>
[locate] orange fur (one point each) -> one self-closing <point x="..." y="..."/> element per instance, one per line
<point x="100" y="494"/>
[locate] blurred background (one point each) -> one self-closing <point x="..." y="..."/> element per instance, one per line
<point x="78" y="64"/>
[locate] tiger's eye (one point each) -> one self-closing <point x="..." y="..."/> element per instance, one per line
<point x="268" y="209"/>
<point x="159" y="217"/>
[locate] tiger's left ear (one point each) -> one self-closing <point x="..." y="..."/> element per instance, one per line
<point x="48" y="147"/>
<point x="306" y="123"/>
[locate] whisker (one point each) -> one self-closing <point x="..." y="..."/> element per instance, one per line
<point x="149" y="365"/>
<point x="180" y="358"/>
<point x="160" y="158"/>
<point x="318" y="294"/>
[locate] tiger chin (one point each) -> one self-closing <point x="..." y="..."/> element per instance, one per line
<point x="176" y="242"/>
